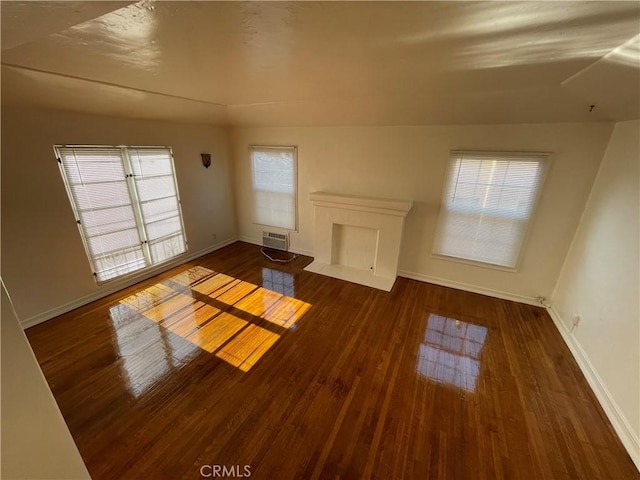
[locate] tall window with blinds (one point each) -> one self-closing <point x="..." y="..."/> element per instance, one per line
<point x="126" y="204"/>
<point x="488" y="201"/>
<point x="274" y="186"/>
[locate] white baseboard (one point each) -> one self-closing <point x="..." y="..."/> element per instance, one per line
<point x="119" y="285"/>
<point x="469" y="288"/>
<point x="620" y="424"/>
<point x="258" y="241"/>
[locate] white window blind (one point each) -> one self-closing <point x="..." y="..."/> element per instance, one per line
<point x="157" y="193"/>
<point x="126" y="204"/>
<point x="274" y="186"/>
<point x="488" y="201"/>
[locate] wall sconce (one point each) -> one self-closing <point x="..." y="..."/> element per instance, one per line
<point x="206" y="159"/>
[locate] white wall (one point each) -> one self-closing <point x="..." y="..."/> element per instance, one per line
<point x="36" y="442"/>
<point x="600" y="281"/>
<point x="44" y="264"/>
<point x="409" y="163"/>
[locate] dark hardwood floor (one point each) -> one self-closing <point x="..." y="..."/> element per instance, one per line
<point x="310" y="377"/>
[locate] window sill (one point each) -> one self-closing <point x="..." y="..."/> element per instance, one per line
<point x="271" y="228"/>
<point x="146" y="271"/>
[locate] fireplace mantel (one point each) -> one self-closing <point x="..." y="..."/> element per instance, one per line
<point x="358" y="238"/>
<point x="364" y="204"/>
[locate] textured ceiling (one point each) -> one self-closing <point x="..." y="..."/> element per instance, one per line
<point x="326" y="63"/>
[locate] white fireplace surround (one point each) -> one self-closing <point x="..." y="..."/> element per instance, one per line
<point x="358" y="238"/>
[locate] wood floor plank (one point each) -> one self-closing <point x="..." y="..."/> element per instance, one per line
<point x="233" y="360"/>
<point x="216" y="332"/>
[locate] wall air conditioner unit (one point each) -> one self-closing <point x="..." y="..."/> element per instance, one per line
<point x="277" y="241"/>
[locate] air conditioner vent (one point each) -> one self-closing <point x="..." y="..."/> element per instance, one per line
<point x="277" y="241"/>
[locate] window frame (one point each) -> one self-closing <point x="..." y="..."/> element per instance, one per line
<point x="294" y="148"/>
<point x="135" y="205"/>
<point x="545" y="161"/>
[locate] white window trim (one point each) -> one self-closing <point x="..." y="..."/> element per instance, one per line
<point x="152" y="267"/>
<point x="545" y="167"/>
<point x="295" y="190"/>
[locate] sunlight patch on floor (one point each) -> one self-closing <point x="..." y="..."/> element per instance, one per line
<point x="219" y="313"/>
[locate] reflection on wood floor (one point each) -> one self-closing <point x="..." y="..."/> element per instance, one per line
<point x="215" y="312"/>
<point x="233" y="360"/>
<point x="450" y="353"/>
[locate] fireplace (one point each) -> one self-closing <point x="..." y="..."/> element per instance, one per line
<point x="358" y="238"/>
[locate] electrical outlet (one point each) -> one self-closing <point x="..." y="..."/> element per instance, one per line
<point x="214" y="236"/>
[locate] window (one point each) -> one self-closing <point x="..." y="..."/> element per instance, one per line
<point x="126" y="204"/>
<point x="274" y="186"/>
<point x="488" y="201"/>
